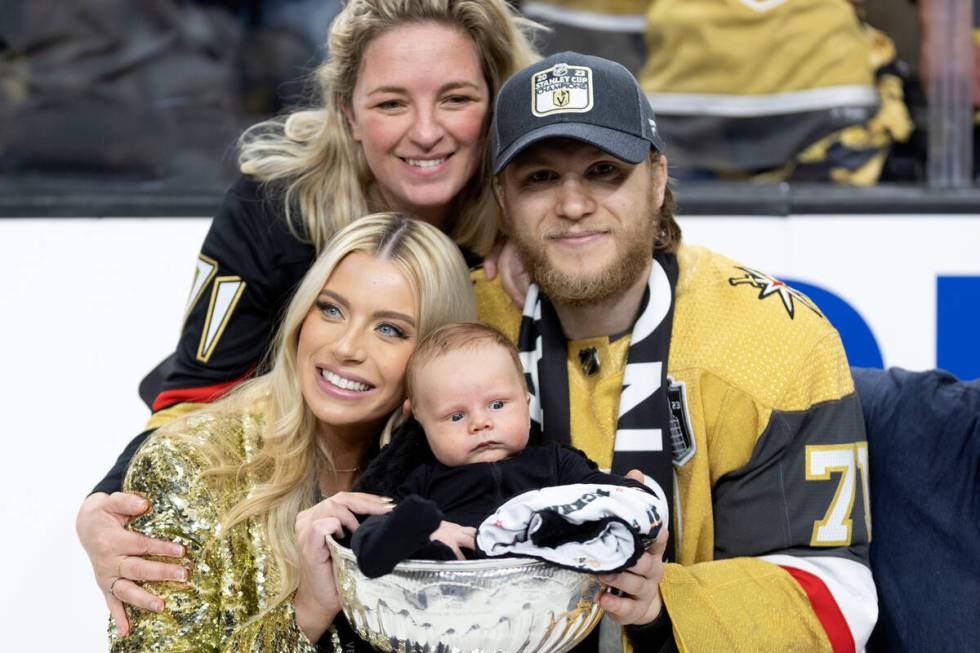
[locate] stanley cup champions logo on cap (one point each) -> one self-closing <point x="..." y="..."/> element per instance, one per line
<point x="561" y="89"/>
<point x="578" y="96"/>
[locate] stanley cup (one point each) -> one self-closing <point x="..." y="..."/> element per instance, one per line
<point x="500" y="605"/>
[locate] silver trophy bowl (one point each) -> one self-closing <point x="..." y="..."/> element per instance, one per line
<point x="505" y="605"/>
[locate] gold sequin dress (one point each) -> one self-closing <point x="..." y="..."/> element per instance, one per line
<point x="233" y="577"/>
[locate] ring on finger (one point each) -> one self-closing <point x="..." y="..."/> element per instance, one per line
<point x="112" y="586"/>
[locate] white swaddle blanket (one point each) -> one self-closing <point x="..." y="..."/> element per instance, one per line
<point x="587" y="527"/>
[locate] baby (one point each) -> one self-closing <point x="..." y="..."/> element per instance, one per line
<point x="465" y="386"/>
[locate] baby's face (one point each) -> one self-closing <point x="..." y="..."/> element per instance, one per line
<point x="472" y="405"/>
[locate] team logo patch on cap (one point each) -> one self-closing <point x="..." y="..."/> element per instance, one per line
<point x="561" y="89"/>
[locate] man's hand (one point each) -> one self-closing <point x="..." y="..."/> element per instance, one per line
<point x="641" y="602"/>
<point x="456" y="537"/>
<point x="117" y="554"/>
<point x="504" y="260"/>
<point x="640" y="583"/>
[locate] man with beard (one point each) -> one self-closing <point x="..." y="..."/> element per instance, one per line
<point x="714" y="382"/>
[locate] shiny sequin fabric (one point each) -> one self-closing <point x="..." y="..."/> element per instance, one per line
<point x="232" y="576"/>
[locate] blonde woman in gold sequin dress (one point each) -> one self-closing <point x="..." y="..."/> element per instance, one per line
<point x="241" y="483"/>
<point x="399" y="122"/>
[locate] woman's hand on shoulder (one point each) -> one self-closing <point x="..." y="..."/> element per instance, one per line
<point x="505" y="261"/>
<point x="316" y="600"/>
<point x="117" y="554"/>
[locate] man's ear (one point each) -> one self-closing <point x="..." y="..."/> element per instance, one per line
<point x="407" y="408"/>
<point x="498" y="194"/>
<point x="658" y="174"/>
<point x="355" y="130"/>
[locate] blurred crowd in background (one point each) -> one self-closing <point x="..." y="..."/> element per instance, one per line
<point x="799" y="90"/>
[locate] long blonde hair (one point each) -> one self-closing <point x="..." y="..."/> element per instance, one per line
<point x="285" y="468"/>
<point x="324" y="169"/>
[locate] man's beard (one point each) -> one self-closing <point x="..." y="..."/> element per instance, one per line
<point x="634" y="249"/>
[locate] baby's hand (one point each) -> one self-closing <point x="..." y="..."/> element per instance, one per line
<point x="456" y="537"/>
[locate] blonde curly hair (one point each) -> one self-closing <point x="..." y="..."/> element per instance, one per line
<point x="324" y="169"/>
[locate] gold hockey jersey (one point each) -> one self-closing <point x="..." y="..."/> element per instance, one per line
<point x="796" y="89"/>
<point x="753" y="54"/>
<point x="772" y="521"/>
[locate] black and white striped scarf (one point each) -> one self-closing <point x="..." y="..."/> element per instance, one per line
<point x="642" y="432"/>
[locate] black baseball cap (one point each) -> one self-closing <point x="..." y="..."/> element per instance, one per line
<point x="577" y="96"/>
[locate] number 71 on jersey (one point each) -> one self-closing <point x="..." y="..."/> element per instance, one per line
<point x="849" y="461"/>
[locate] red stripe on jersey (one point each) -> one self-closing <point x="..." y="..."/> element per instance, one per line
<point x="826" y="609"/>
<point x="202" y="395"/>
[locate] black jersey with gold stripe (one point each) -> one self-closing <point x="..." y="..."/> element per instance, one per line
<point x="245" y="274"/>
<point x="248" y="266"/>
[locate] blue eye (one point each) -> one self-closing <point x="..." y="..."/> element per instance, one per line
<point x="328" y="309"/>
<point x="497" y="404"/>
<point x="455" y="417"/>
<point x="390" y="330"/>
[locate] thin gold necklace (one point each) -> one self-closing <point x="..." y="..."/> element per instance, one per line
<point x="353" y="469"/>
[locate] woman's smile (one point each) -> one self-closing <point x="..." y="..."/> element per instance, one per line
<point x="333" y="381"/>
<point x="356" y="340"/>
<point x="419" y="111"/>
<point x="429" y="164"/>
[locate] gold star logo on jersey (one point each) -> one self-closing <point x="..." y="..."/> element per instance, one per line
<point x="769" y="286"/>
